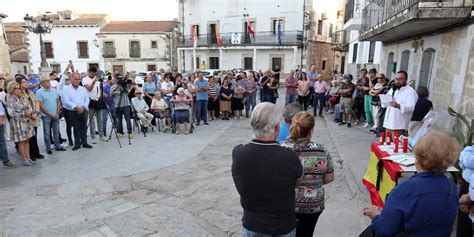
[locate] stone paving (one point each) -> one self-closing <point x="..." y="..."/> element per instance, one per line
<point x="184" y="189"/>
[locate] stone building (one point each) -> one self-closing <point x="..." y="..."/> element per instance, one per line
<point x="138" y="46"/>
<point x="278" y="39"/>
<point x="361" y="53"/>
<point x="325" y="48"/>
<point x="5" y="65"/>
<point x="19" y="55"/>
<point x="431" y="40"/>
<point x="73" y="37"/>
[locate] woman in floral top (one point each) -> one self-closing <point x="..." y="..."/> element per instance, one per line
<point x="318" y="170"/>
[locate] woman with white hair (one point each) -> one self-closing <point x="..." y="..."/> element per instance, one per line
<point x="181" y="110"/>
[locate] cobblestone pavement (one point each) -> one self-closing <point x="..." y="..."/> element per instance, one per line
<point x="181" y="189"/>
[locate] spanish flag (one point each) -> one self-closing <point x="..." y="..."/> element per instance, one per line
<point x="381" y="176"/>
<point x="193" y="36"/>
<point x="218" y="35"/>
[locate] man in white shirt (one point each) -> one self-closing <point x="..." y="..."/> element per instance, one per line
<point x="92" y="84"/>
<point x="75" y="99"/>
<point x="400" y="110"/>
<point x="140" y="106"/>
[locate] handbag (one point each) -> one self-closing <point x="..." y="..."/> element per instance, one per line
<point x="368" y="232"/>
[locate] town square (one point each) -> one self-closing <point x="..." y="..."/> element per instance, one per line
<point x="237" y="118"/>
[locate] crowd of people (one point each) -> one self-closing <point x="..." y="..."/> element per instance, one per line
<point x="92" y="103"/>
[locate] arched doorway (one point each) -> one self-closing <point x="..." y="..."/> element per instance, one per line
<point x="388" y="73"/>
<point x="405" y="60"/>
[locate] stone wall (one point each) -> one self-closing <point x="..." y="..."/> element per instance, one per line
<point x="451" y="83"/>
<point x="5" y="64"/>
<point x="318" y="52"/>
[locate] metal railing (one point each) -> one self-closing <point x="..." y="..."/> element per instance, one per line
<point x="374" y="14"/>
<point x="262" y="38"/>
<point x="109" y="53"/>
<point x="352" y="10"/>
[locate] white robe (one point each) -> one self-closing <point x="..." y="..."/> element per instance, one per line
<point x="398" y="119"/>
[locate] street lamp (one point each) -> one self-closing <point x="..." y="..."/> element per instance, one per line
<point x="41" y="27"/>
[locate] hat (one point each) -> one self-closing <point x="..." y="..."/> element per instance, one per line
<point x="45" y="78"/>
<point x="137" y="91"/>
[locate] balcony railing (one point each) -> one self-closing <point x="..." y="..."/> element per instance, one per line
<point x="262" y="38"/>
<point x="374" y="14"/>
<point x="340" y="41"/>
<point x="349" y="11"/>
<point x="109" y="53"/>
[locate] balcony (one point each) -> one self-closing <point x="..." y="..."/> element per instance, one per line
<point x="352" y="16"/>
<point x="340" y="42"/>
<point x="390" y="21"/>
<point x="267" y="38"/>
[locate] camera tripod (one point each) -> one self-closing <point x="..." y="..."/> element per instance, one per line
<point x="113" y="126"/>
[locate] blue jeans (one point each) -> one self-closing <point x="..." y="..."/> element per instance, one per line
<point x="290" y="99"/>
<point x="3" y="145"/>
<point x="49" y="123"/>
<point x="201" y="110"/>
<point x="249" y="233"/>
<point x="105" y="118"/>
<point x="321" y="99"/>
<point x="250" y="101"/>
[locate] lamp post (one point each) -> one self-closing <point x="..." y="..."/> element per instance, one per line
<point x="39" y="27"/>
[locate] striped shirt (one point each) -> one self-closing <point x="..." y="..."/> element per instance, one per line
<point x="213" y="90"/>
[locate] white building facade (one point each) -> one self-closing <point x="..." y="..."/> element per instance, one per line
<point x="137" y="46"/>
<point x="240" y="49"/>
<point x="73" y="37"/>
<point x="361" y="54"/>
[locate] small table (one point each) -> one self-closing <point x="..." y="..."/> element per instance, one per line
<point x="383" y="175"/>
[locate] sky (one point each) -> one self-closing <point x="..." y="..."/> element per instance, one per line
<point x="117" y="9"/>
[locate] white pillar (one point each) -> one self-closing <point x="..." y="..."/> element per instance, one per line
<point x="254" y="66"/>
<point x="180" y="64"/>
<point x="221" y="57"/>
<point x="194" y="61"/>
<point x="295" y="54"/>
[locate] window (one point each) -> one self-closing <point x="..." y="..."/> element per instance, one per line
<point x="25" y="70"/>
<point x="154" y="45"/>
<point x="330" y="30"/>
<point x="213" y="36"/>
<point x="109" y="49"/>
<point x="320" y="27"/>
<point x="248" y="63"/>
<point x="213" y="62"/>
<point x="405" y="60"/>
<point x="277" y="62"/>
<point x="426" y="67"/>
<point x="371" y="51"/>
<point x="56" y="67"/>
<point x="323" y="65"/>
<point x="246" y="32"/>
<point x="82" y="49"/>
<point x="389" y="66"/>
<point x="198" y="62"/>
<point x="196" y="27"/>
<point x="354" y="53"/>
<point x="275" y="25"/>
<point x="134" y="49"/>
<point x="96" y="65"/>
<point x="48" y="46"/>
<point x="151" y="67"/>
<point x="343" y="62"/>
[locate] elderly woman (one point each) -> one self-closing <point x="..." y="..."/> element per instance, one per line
<point x="159" y="108"/>
<point x="213" y="98"/>
<point x="237" y="103"/>
<point x="20" y="121"/>
<point x="250" y="86"/>
<point x="333" y="96"/>
<point x="181" y="110"/>
<point x="225" y="95"/>
<point x="35" y="119"/>
<point x="317" y="168"/>
<point x="425" y="204"/>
